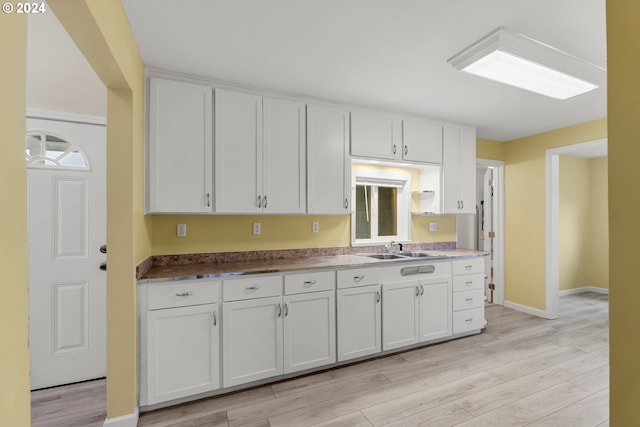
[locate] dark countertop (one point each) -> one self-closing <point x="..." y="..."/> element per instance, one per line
<point x="159" y="273"/>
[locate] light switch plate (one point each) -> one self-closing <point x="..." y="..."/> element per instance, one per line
<point x="433" y="227"/>
<point x="315" y="227"/>
<point x="256" y="228"/>
<point x="181" y="230"/>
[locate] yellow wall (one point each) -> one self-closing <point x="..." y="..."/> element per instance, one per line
<point x="623" y="61"/>
<point x="573" y="215"/>
<point x="525" y="208"/>
<point x="101" y="31"/>
<point x="487" y="149"/>
<point x="15" y="399"/>
<point x="597" y="245"/>
<point x="213" y="233"/>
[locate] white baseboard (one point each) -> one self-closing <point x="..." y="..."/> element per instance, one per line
<point x="129" y="420"/>
<point x="526" y="309"/>
<point x="584" y="289"/>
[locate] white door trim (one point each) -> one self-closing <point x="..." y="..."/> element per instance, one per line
<point x="552" y="220"/>
<point x="498" y="209"/>
<point x="36" y="113"/>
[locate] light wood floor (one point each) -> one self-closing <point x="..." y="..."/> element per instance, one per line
<point x="522" y="371"/>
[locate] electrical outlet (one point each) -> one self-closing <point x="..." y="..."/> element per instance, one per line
<point x="181" y="230"/>
<point x="433" y="227"/>
<point x="315" y="227"/>
<point x="256" y="228"/>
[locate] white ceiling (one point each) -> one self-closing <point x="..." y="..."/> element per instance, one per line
<point x="386" y="54"/>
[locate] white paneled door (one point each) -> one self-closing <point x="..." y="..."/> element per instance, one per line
<point x="67" y="226"/>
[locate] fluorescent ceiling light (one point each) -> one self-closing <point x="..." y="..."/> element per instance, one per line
<point x="525" y="63"/>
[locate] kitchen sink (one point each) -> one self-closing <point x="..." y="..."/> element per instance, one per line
<point x="385" y="256"/>
<point x="418" y="254"/>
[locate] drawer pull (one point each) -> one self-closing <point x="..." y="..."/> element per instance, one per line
<point x="377" y="297"/>
<point x="279" y="308"/>
<point x="286" y="310"/>
<point x="309" y="283"/>
<point x="469" y="283"/>
<point x="421" y="290"/>
<point x="252" y="288"/>
<point x="468" y="266"/>
<point x="468" y="300"/>
<point x="469" y="320"/>
<point x="417" y="291"/>
<point x="184" y="294"/>
<point x="214" y="318"/>
<point x="358" y="278"/>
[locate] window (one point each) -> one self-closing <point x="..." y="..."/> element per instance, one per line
<point x="44" y="150"/>
<point x="382" y="206"/>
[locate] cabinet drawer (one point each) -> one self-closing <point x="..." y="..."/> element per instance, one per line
<point x="358" y="277"/>
<point x="468" y="320"/>
<point x="468" y="266"/>
<point x="469" y="282"/>
<point x="251" y="287"/>
<point x="309" y="282"/>
<point x="468" y="299"/>
<point x="182" y="294"/>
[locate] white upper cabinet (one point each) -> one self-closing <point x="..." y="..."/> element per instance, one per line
<point x="376" y="136"/>
<point x="459" y="170"/>
<point x="380" y="136"/>
<point x="422" y="141"/>
<point x="259" y="154"/>
<point x="179" y="148"/>
<point x="328" y="161"/>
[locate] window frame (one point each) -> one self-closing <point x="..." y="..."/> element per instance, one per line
<point x="382" y="178"/>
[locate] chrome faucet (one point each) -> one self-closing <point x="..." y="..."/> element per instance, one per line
<point x="387" y="246"/>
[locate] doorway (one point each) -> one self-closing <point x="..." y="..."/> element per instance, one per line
<point x="66" y="176"/>
<point x="485" y="230"/>
<point x="591" y="149"/>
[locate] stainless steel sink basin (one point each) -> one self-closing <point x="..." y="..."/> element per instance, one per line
<point x="385" y="256"/>
<point x="417" y="254"/>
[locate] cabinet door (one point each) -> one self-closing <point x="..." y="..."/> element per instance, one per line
<point x="309" y="330"/>
<point x="450" y="169"/>
<point x="467" y="171"/>
<point x="422" y="141"/>
<point x="251" y="340"/>
<point x="284" y="174"/>
<point x="400" y="314"/>
<point x="375" y="136"/>
<point x="183" y="351"/>
<point x="435" y="309"/>
<point x="328" y="162"/>
<point x="238" y="152"/>
<point x="359" y="322"/>
<point x="179" y="148"/>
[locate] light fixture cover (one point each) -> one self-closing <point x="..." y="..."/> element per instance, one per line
<point x="528" y="64"/>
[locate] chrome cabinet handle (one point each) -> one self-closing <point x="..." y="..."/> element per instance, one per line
<point x="279" y="308"/>
<point x="394" y="149"/>
<point x="469" y="320"/>
<point x="377" y="296"/>
<point x="468" y="300"/>
<point x="286" y="310"/>
<point x="214" y="318"/>
<point x="265" y="201"/>
<point x="208" y="199"/>
<point x="309" y="283"/>
<point x="417" y="291"/>
<point x="468" y="266"/>
<point x="469" y="283"/>
<point x="252" y="288"/>
<point x="461" y="204"/>
<point x="259" y="201"/>
<point x="346" y="203"/>
<point x="184" y="294"/>
<point x="358" y="278"/>
<point x="421" y="290"/>
<point x="406" y="150"/>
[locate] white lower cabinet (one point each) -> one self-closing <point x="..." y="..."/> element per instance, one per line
<point x="359" y="313"/>
<point x="468" y="295"/>
<point x="251" y="340"/>
<point x="415" y="309"/>
<point x="275" y="335"/>
<point x="180" y="342"/>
